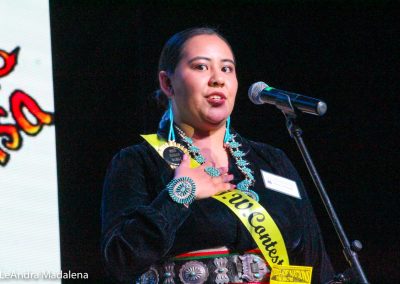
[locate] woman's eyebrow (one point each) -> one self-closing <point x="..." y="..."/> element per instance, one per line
<point x="209" y="59"/>
<point x="199" y="58"/>
<point x="229" y="60"/>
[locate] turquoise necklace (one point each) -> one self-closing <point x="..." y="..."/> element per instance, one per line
<point x="236" y="153"/>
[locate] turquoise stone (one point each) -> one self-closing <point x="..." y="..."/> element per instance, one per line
<point x="238" y="154"/>
<point x="242" y="163"/>
<point x="194" y="149"/>
<point x="200" y="159"/>
<point x="234" y="144"/>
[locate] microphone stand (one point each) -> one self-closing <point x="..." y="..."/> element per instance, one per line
<point x="349" y="250"/>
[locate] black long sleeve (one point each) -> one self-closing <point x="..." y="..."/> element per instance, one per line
<point x="139" y="225"/>
<point x="143" y="226"/>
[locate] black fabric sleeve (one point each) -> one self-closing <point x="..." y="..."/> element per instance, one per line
<point x="139" y="221"/>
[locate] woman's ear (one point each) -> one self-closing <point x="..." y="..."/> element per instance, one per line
<point x="165" y="84"/>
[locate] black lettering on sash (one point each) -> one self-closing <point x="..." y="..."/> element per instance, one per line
<point x="238" y="201"/>
<point x="272" y="252"/>
<point x="260" y="218"/>
<point x="267" y="242"/>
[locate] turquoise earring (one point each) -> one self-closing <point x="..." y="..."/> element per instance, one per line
<point x="227" y="132"/>
<point x="171" y="134"/>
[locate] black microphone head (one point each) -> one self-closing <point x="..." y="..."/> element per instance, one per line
<point x="255" y="91"/>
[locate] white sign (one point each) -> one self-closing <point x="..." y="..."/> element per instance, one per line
<point x="29" y="226"/>
<point x="280" y="184"/>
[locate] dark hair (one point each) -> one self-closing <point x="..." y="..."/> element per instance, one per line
<point x="171" y="53"/>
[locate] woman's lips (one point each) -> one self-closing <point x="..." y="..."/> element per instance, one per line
<point x="216" y="99"/>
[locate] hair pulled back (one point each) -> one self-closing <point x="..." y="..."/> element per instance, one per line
<point x="171" y="53"/>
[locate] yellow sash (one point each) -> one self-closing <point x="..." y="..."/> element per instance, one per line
<point x="254" y="217"/>
<point x="157" y="142"/>
<point x="259" y="223"/>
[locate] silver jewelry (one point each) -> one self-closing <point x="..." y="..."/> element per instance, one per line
<point x="212" y="171"/>
<point x="221" y="270"/>
<point x="182" y="190"/>
<point x="236" y="153"/>
<point x="169" y="273"/>
<point x="150" y="277"/>
<point x="254" y="268"/>
<point x="193" y="272"/>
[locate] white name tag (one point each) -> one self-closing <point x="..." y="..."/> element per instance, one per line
<point x="280" y="184"/>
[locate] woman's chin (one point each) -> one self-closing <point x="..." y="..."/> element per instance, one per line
<point x="216" y="116"/>
<point x="216" y="120"/>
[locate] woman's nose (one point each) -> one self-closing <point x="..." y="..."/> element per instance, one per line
<point x="216" y="80"/>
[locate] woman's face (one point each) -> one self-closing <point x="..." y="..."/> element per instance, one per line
<point x="204" y="83"/>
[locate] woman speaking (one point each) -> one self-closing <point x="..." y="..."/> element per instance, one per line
<point x="177" y="208"/>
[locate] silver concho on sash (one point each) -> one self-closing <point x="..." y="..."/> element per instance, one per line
<point x="221" y="270"/>
<point x="193" y="272"/>
<point x="169" y="273"/>
<point x="150" y="277"/>
<point x="254" y="267"/>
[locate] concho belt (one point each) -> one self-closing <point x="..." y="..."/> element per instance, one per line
<point x="228" y="268"/>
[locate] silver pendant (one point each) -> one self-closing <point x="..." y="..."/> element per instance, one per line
<point x="193" y="272"/>
<point x="254" y="267"/>
<point x="221" y="270"/>
<point x="237" y="278"/>
<point x="169" y="273"/>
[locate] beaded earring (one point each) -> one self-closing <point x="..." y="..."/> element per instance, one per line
<point x="171" y="151"/>
<point x="171" y="134"/>
<point x="227" y="132"/>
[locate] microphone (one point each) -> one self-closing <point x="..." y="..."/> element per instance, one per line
<point x="261" y="93"/>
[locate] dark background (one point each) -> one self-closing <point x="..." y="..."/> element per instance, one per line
<point x="105" y="57"/>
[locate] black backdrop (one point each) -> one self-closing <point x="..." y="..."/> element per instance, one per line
<point x="105" y="57"/>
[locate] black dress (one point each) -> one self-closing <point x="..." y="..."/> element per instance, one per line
<point x="142" y="226"/>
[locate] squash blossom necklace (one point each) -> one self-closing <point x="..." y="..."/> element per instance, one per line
<point x="233" y="147"/>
